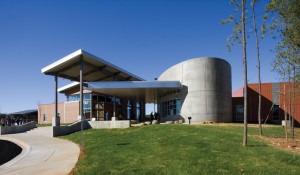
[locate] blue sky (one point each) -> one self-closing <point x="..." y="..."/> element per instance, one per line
<point x="144" y="37"/>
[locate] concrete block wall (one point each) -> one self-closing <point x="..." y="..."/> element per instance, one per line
<point x="110" y="124"/>
<point x="17" y="129"/>
<point x="74" y="127"/>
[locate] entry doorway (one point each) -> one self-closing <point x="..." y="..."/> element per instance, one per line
<point x="98" y="111"/>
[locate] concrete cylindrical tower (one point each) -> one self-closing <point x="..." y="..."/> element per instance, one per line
<point x="206" y="93"/>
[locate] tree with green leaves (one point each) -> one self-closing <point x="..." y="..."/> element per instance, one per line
<point x="287" y="61"/>
<point x="239" y="34"/>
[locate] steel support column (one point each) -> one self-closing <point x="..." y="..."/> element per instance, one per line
<point x="56" y="121"/>
<point x="81" y="93"/>
<point x="114" y="112"/>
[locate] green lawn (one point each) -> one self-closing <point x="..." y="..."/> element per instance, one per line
<point x="181" y="149"/>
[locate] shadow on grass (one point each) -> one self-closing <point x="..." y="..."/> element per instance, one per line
<point x="123" y="144"/>
<point x="256" y="145"/>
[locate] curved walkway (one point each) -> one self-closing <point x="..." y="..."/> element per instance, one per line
<point x="41" y="154"/>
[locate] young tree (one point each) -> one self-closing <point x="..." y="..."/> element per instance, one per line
<point x="239" y="34"/>
<point x="244" y="42"/>
<point x="288" y="49"/>
<point x="258" y="66"/>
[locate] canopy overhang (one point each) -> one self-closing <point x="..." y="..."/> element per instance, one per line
<point x="95" y="69"/>
<point x="26" y="112"/>
<point x="82" y="66"/>
<point x="147" y="91"/>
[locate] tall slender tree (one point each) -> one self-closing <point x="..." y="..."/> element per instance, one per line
<point x="258" y="65"/>
<point x="239" y="34"/>
<point x="293" y="102"/>
<point x="244" y="42"/>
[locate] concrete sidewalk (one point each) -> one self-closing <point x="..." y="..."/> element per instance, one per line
<point x="41" y="154"/>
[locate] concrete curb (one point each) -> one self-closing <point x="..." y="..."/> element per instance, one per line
<point x="26" y="148"/>
<point x="41" y="154"/>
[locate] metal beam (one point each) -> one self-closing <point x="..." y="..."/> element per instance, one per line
<point x="93" y="71"/>
<point x="128" y="78"/>
<point x="68" y="77"/>
<point x="100" y="79"/>
<point x="70" y="66"/>
<point x="101" y="69"/>
<point x="108" y="73"/>
<point x="111" y="76"/>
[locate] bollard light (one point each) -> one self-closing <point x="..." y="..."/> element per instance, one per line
<point x="189" y="119"/>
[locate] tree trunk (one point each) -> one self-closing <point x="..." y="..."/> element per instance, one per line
<point x="285" y="113"/>
<point x="289" y="93"/>
<point x="293" y="101"/>
<point x="245" y="73"/>
<point x="258" y="69"/>
<point x="288" y="100"/>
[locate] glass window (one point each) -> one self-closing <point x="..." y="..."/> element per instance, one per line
<point x="118" y="100"/>
<point x="44" y="117"/>
<point x="86" y="104"/>
<point x="108" y="99"/>
<point x="178" y="106"/>
<point x="76" y="97"/>
<point x="239" y="112"/>
<point x="171" y="107"/>
<point x="98" y="98"/>
<point x="95" y="97"/>
<point x="275" y="112"/>
<point x="87" y="96"/>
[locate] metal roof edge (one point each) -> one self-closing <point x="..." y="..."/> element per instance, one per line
<point x="85" y="53"/>
<point x="134" y="84"/>
<point x="62" y="60"/>
<point x="66" y="87"/>
<point x="24" y="112"/>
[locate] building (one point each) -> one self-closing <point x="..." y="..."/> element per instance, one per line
<point x="27" y="115"/>
<point x="19" y="117"/>
<point x="272" y="102"/>
<point x="199" y="88"/>
<point x="206" y="92"/>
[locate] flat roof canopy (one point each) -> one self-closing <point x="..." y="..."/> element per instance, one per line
<point x="25" y="112"/>
<point x="95" y="69"/>
<point x="137" y="90"/>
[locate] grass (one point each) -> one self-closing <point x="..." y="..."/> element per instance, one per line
<point x="181" y="149"/>
<point x="43" y="125"/>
